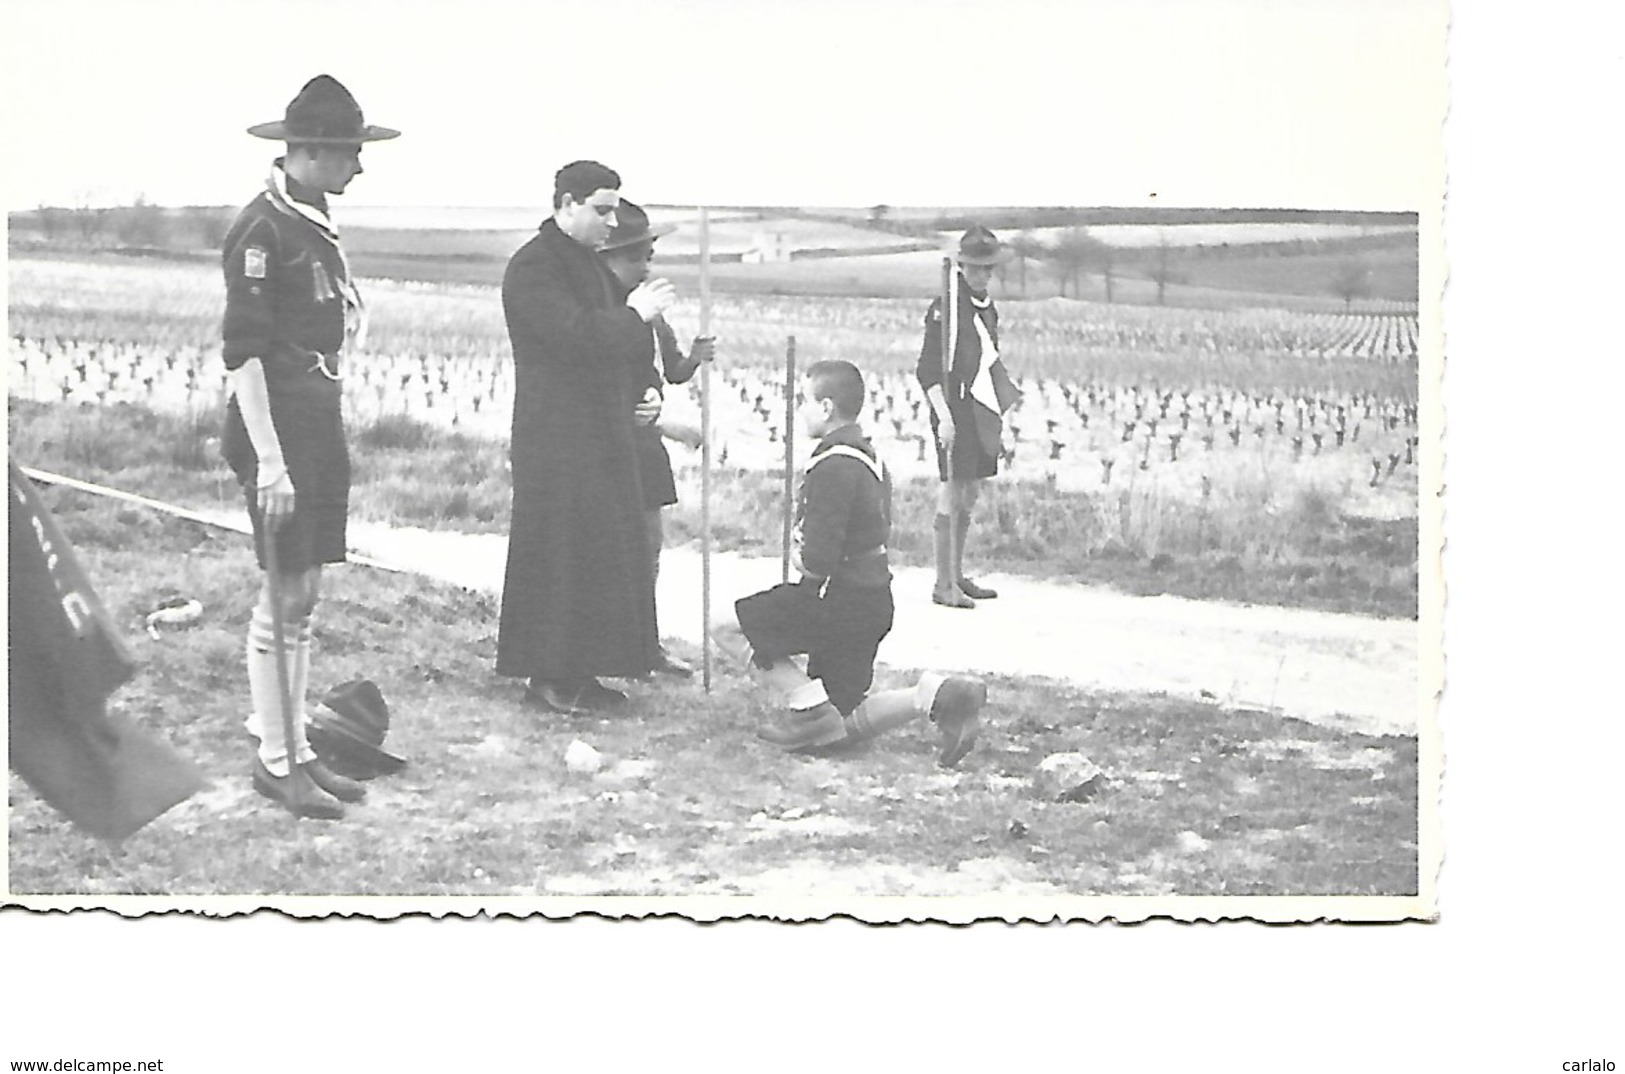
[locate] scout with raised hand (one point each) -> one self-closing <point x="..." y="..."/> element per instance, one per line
<point x="841" y="608"/>
<point x="968" y="397"/>
<point x="627" y="253"/>
<point x="291" y="307"/>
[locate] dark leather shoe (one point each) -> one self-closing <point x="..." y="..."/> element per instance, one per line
<point x="976" y="592"/>
<point x="296" y="793"/>
<point x="674" y="666"/>
<point x="551" y="697"/>
<point x="595" y="695"/>
<point x="951" y="597"/>
<point x="805" y="730"/>
<point x="343" y="788"/>
<point x="957" y="712"/>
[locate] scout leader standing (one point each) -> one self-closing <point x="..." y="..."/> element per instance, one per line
<point x="967" y="409"/>
<point x="841" y="608"/>
<point x="627" y="253"/>
<point x="290" y="309"/>
<point x="578" y="593"/>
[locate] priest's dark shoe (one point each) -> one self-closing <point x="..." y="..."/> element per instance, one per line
<point x="674" y="666"/>
<point x="595" y="695"/>
<point x="296" y="793"/>
<point x="343" y="788"/>
<point x="553" y="697"/>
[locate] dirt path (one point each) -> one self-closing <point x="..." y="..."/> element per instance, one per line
<point x="1344" y="671"/>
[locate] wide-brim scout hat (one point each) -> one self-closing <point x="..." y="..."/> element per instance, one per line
<point x="324" y="113"/>
<point x="979" y="246"/>
<point x="632" y="227"/>
<point x="349" y="737"/>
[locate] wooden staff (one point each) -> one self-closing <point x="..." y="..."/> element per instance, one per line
<point x="297" y="792"/>
<point x="705" y="452"/>
<point x="950" y="336"/>
<point x="789" y="449"/>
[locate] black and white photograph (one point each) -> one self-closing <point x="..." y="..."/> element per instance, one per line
<point x="604" y="535"/>
<point x="644" y="476"/>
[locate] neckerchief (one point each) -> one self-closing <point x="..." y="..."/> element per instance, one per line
<point x="355" y="311"/>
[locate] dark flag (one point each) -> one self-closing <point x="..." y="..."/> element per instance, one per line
<point x="102" y="771"/>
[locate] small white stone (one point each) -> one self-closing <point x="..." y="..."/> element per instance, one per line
<point x="582" y="759"/>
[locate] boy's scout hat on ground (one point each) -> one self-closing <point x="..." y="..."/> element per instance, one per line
<point x="349" y="737"/>
<point x="324" y="113"/>
<point x="632" y="227"/>
<point x="979" y="246"/>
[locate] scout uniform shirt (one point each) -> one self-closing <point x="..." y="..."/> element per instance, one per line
<point x="290" y="303"/>
<point x="843" y="516"/>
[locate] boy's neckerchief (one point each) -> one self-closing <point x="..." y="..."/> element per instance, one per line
<point x="355" y="311"/>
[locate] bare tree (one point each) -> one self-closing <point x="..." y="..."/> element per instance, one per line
<point x="1352" y="281"/>
<point x="1105" y="257"/>
<point x="1071" y="252"/>
<point x="88" y="218"/>
<point x="48" y="221"/>
<point x="1024" y="248"/>
<point x="209" y="226"/>
<point x="1163" y="272"/>
<point x="141" y="223"/>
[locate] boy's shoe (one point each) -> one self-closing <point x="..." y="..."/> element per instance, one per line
<point x="951" y="597"/>
<point x="806" y="729"/>
<point x="957" y="712"/>
<point x="976" y="592"/>
<point x="296" y="793"/>
<point x="343" y="788"/>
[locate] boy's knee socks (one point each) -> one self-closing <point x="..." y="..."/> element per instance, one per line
<point x="265" y="691"/>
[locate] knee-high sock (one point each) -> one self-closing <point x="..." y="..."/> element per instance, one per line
<point x="298" y="682"/>
<point x="947" y="561"/>
<point x="960" y="531"/>
<point x="264" y="691"/>
<point x="879" y="713"/>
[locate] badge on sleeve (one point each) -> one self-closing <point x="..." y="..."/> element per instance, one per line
<point x="254" y="263"/>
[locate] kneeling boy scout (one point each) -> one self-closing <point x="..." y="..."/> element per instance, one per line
<point x="841" y="608"/>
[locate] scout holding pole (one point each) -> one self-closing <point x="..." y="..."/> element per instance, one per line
<point x="789" y="449"/>
<point x="705" y="451"/>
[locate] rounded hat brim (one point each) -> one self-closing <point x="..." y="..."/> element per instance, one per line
<point x="648" y="235"/>
<point x="336" y="738"/>
<point x="983" y="259"/>
<point x="277" y="131"/>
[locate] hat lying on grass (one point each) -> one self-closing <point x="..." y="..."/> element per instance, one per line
<point x="349" y="738"/>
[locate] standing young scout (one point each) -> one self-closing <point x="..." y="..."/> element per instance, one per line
<point x="627" y="253"/>
<point x="967" y="410"/>
<point x="291" y="307"/>
<point x="841" y="608"/>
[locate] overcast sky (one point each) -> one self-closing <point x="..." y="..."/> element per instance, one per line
<point x="1318" y="103"/>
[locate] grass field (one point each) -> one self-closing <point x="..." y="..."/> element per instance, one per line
<point x="1193" y="799"/>
<point x="1303" y="554"/>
